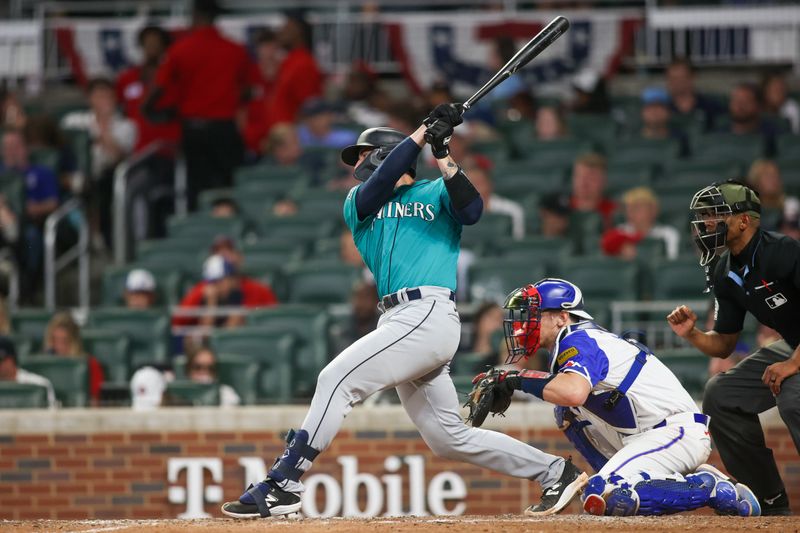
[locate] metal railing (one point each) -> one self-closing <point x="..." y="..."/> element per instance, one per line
<point x="80" y="253"/>
<point x="121" y="200"/>
<point x="650" y="318"/>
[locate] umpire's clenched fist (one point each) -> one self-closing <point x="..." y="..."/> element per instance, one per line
<point x="682" y="320"/>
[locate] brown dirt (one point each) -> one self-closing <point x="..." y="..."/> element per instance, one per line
<point x="462" y="524"/>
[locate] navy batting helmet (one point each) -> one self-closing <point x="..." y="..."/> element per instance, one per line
<point x="380" y="141"/>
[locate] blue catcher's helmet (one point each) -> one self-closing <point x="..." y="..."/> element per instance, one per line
<point x="560" y="294"/>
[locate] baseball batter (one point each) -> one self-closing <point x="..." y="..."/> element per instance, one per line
<point x="619" y="405"/>
<point x="408" y="233"/>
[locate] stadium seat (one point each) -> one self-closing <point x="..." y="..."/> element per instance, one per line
<point x="603" y="278"/>
<point x="471" y="363"/>
<point x="310" y="326"/>
<point x="189" y="261"/>
<point x="518" y="183"/>
<point x="585" y="228"/>
<point x="206" y="199"/>
<point x="201" y="224"/>
<point x="24" y="345"/>
<point x="320" y="282"/>
<point x="691" y="369"/>
<point x="12" y="187"/>
<point x="641" y="151"/>
<point x="491" y="226"/>
<point x="69" y="376"/>
<point x="697" y="172"/>
<point x="111" y="349"/>
<point x="169" y="284"/>
<point x="491" y="279"/>
<point x="682" y="279"/>
<point x="788" y="148"/>
<point x="600" y="129"/>
<point x="545" y="251"/>
<point x="192" y="393"/>
<point x="545" y="153"/>
<point x="274" y="352"/>
<point x="728" y="147"/>
<point x="148" y="331"/>
<point x="623" y="176"/>
<point x="295" y="229"/>
<point x="22" y="396"/>
<point x="240" y="373"/>
<point x="31" y="324"/>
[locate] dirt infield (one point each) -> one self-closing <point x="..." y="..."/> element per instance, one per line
<point x="465" y="524"/>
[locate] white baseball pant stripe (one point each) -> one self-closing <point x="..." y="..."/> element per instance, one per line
<point x="411" y="350"/>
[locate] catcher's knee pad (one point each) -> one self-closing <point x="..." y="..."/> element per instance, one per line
<point x="594" y="501"/>
<point x="622" y="501"/>
<point x="288" y="466"/>
<point x="575" y="431"/>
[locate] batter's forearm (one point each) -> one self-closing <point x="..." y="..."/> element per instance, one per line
<point x="379" y="187"/>
<point x="712" y="343"/>
<point x="465" y="200"/>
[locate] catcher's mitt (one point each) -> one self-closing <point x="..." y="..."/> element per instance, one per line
<point x="491" y="393"/>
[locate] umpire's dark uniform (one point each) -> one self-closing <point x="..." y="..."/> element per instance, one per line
<point x="765" y="280"/>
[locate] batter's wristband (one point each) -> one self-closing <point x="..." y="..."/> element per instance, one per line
<point x="460" y="190"/>
<point x="534" y="382"/>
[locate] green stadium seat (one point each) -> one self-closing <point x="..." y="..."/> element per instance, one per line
<point x="471" y="363"/>
<point x="69" y="376"/>
<point x="585" y="228"/>
<point x="496" y="151"/>
<point x="111" y="349"/>
<point x="22" y="396"/>
<point x="273" y="178"/>
<point x="703" y="172"/>
<point x="691" y="369"/>
<point x="310" y="325"/>
<point x="491" y="279"/>
<point x="202" y="224"/>
<point x="320" y="282"/>
<point x="169" y="284"/>
<point x="599" y="128"/>
<point x="547" y="251"/>
<point x="24" y="345"/>
<point x="295" y="229"/>
<point x="517" y="182"/>
<point x="275" y="354"/>
<point x="240" y="373"/>
<point x="639" y="151"/>
<point x="625" y="176"/>
<point x="556" y="152"/>
<point x="189" y="261"/>
<point x="743" y="149"/>
<point x="12" y="187"/>
<point x="31" y="324"/>
<point x="148" y="330"/>
<point x="192" y="393"/>
<point x="788" y="148"/>
<point x="491" y="226"/>
<point x="603" y="278"/>
<point x="206" y="199"/>
<point x="681" y="279"/>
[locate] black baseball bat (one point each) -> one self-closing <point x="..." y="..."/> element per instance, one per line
<point x="557" y="27"/>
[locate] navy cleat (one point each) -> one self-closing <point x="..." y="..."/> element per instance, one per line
<point x="748" y="503"/>
<point x="263" y="500"/>
<point x="558" y="496"/>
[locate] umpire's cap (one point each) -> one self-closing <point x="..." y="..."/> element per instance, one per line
<point x="371" y="138"/>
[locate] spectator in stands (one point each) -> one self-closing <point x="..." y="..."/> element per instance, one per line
<point x="225" y="246"/>
<point x="135" y="84"/>
<point x="363" y="299"/>
<point x="9" y="371"/>
<point x="791" y="223"/>
<point x="481" y="178"/>
<point x="201" y="367"/>
<point x="9" y="227"/>
<point x="364" y="101"/>
<point x="655" y="119"/>
<point x="12" y="114"/>
<point x="224" y="207"/>
<point x="550" y="125"/>
<point x="140" y="289"/>
<point x="113" y="138"/>
<point x="765" y="178"/>
<point x="299" y="77"/>
<point x="589" y="178"/>
<point x="317" y="126"/>
<point x="641" y="214"/>
<point x="41" y="199"/>
<point x="589" y="93"/>
<point x="685" y="101"/>
<point x="223" y="286"/>
<point x="777" y="102"/>
<point x="63" y="338"/>
<point x="269" y="55"/>
<point x="522" y="106"/>
<point x="487" y="337"/>
<point x="203" y="81"/>
<point x="745" y="109"/>
<point x="282" y="146"/>
<point x="42" y="133"/>
<point x="554" y="211"/>
<point x="148" y="385"/>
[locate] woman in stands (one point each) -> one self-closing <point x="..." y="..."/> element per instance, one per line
<point x="63" y="338"/>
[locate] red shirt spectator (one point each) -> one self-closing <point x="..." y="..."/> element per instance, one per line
<point x="135" y="83"/>
<point x="222" y="286"/>
<point x="268" y="60"/>
<point x="200" y="70"/>
<point x="589" y="176"/>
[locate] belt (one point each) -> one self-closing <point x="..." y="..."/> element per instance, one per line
<point x="396" y="298"/>
<point x="682" y="418"/>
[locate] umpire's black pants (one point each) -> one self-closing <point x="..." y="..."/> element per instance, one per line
<point x="213" y="149"/>
<point x="733" y="400"/>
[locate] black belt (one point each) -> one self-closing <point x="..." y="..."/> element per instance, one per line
<point x="391" y="300"/>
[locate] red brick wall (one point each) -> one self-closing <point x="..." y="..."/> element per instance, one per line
<point x="124" y="475"/>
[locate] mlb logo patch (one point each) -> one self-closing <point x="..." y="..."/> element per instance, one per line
<point x="776" y="300"/>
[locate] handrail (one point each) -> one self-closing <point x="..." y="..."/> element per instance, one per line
<point x="79" y="252"/>
<point x="120" y="202"/>
<point x="13" y="278"/>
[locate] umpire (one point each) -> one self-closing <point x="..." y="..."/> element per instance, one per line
<point x="757" y="271"/>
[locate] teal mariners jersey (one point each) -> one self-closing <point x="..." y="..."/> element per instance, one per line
<point x="412" y="241"/>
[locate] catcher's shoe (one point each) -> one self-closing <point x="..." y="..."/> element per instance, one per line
<point x="558" y="496"/>
<point x="745" y="502"/>
<point x="263" y="500"/>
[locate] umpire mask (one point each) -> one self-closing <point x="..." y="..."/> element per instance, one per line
<point x="710" y="207"/>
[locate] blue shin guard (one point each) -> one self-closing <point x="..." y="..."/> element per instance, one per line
<point x="652" y="497"/>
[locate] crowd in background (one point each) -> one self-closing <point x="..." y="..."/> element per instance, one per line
<point x="227" y="107"/>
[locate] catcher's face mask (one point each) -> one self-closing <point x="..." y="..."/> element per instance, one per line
<point x="522" y="323"/>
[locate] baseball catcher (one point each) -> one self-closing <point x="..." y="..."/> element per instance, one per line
<point x="621" y="408"/>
